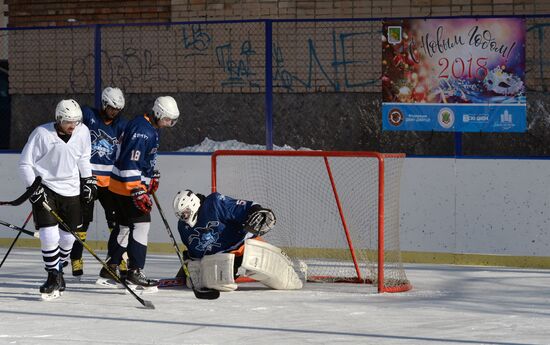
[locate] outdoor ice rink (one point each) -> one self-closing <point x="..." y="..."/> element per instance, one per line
<point x="448" y="305"/>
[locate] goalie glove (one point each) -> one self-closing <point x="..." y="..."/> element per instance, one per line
<point x="260" y="220"/>
<point x="88" y="189"/>
<point x="154" y="183"/>
<point x="141" y="200"/>
<point x="39" y="196"/>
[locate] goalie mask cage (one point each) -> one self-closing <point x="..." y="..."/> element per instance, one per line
<point x="336" y="211"/>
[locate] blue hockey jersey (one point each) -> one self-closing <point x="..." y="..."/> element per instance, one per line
<point x="105" y="139"/>
<point x="219" y="226"/>
<point x="137" y="158"/>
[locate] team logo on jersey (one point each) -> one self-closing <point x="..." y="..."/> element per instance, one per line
<point x="103" y="144"/>
<point x="206" y="237"/>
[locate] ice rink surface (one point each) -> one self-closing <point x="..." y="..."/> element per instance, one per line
<point x="448" y="305"/>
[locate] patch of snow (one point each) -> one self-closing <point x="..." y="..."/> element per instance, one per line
<point x="209" y="145"/>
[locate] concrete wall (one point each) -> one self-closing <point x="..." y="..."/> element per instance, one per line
<point x="492" y="207"/>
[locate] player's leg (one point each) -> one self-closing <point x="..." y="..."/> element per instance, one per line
<point x="270" y="266"/>
<point x="118" y="238"/>
<point x="77" y="264"/>
<point x="47" y="226"/>
<point x="107" y="200"/>
<point x="139" y="224"/>
<point x="70" y="210"/>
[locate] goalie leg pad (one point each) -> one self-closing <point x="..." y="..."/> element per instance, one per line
<point x="270" y="266"/>
<point x="194" y="268"/>
<point x="217" y="272"/>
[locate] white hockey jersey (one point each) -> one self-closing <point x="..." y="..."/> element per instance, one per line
<point x="58" y="163"/>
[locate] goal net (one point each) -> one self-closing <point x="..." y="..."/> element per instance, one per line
<point x="336" y="211"/>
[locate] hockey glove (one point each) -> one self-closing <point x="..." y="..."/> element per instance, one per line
<point x="88" y="189"/>
<point x="260" y="220"/>
<point x="154" y="183"/>
<point x="39" y="196"/>
<point x="141" y="200"/>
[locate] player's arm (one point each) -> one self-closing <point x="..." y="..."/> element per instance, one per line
<point x="260" y="220"/>
<point x="84" y="165"/>
<point x="88" y="182"/>
<point x="254" y="218"/>
<point x="31" y="151"/>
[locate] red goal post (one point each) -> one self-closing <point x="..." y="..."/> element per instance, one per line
<point x="337" y="211"/>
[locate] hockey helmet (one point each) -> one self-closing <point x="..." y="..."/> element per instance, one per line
<point x="68" y="110"/>
<point x="113" y="97"/>
<point x="186" y="206"/>
<point x="166" y="106"/>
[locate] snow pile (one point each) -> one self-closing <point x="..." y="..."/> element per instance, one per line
<point x="209" y="145"/>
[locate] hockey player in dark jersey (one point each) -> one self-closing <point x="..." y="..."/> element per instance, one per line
<point x="106" y="127"/>
<point x="133" y="178"/>
<point x="216" y="228"/>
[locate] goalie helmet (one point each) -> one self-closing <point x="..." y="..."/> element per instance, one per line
<point x="113" y="97"/>
<point x="166" y="106"/>
<point x="186" y="206"/>
<point x="68" y="110"/>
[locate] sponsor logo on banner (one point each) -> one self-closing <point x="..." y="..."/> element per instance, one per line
<point x="475" y="118"/>
<point x="506" y="117"/>
<point x="506" y="120"/>
<point x="395" y="34"/>
<point x="395" y="117"/>
<point x="446" y="118"/>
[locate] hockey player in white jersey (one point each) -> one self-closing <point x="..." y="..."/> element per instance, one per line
<point x="216" y="229"/>
<point x="59" y="152"/>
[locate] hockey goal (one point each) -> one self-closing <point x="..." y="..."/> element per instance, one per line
<point x="336" y="211"/>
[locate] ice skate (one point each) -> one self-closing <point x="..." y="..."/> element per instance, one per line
<point x="51" y="288"/>
<point x="138" y="282"/>
<point x="106" y="279"/>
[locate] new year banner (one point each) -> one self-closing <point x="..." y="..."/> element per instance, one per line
<point x="463" y="75"/>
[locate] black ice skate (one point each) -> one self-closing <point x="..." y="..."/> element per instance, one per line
<point x="51" y="288"/>
<point x="107" y="280"/>
<point x="138" y="282"/>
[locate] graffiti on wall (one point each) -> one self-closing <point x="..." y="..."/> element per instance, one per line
<point x="123" y="69"/>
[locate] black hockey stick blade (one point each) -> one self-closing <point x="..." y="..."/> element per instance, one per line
<point x="25" y="195"/>
<point x="147" y="304"/>
<point x="206" y="293"/>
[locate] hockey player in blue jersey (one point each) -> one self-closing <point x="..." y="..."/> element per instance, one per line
<point x="215" y="229"/>
<point x="106" y="127"/>
<point x="133" y="178"/>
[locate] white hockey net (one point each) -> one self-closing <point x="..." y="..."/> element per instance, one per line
<point x="329" y="211"/>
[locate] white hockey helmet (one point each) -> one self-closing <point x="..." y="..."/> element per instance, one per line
<point x="112" y="96"/>
<point x="166" y="106"/>
<point x="186" y="206"/>
<point x="68" y="110"/>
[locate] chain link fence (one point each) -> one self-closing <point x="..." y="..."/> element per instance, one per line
<point x="322" y="91"/>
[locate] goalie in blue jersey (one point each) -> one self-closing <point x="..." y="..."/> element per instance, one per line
<point x="216" y="228"/>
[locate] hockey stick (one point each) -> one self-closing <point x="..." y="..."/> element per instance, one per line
<point x="17" y="228"/>
<point x="15" y="239"/>
<point x="201" y="293"/>
<point x="145" y="303"/>
<point x="25" y="195"/>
